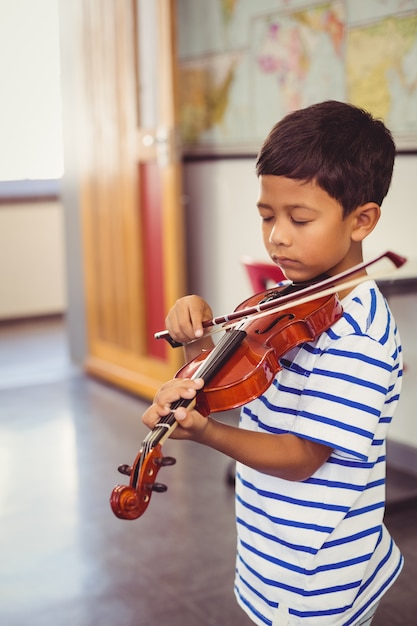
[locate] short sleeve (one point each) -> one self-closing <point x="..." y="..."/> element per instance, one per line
<point x="345" y="395"/>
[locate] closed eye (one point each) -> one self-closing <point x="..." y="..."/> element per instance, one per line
<point x="300" y="222"/>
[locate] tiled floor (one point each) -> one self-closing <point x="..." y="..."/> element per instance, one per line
<point x="66" y="560"/>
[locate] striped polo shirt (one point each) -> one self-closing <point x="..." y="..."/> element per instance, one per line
<point x="316" y="552"/>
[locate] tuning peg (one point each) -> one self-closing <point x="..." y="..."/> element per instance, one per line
<point x="163" y="461"/>
<point x="159" y="487"/>
<point x="125" y="469"/>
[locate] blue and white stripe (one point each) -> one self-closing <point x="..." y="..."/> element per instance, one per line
<point x="318" y="549"/>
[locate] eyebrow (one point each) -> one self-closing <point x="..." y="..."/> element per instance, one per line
<point x="263" y="205"/>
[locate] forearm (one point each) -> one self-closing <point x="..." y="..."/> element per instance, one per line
<point x="285" y="456"/>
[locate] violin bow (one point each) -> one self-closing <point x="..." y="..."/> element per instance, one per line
<point x="323" y="288"/>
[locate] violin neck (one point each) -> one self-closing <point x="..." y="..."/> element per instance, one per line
<point x="214" y="361"/>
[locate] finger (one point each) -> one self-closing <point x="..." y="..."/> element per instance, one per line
<point x="179" y="324"/>
<point x="190" y="422"/>
<point x="153" y="415"/>
<point x="177" y="389"/>
<point x="185" y="320"/>
<point x="199" y="312"/>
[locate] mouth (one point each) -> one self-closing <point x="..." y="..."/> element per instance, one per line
<point x="285" y="262"/>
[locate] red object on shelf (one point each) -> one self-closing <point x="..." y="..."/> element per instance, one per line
<point x="262" y="275"/>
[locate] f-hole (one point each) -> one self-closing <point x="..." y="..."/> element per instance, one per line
<point x="277" y="320"/>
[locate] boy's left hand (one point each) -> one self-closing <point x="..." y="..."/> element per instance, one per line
<point x="192" y="423"/>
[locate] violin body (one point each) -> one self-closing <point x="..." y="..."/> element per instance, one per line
<point x="252" y="367"/>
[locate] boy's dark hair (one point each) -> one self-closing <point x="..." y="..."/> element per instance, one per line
<point x="343" y="148"/>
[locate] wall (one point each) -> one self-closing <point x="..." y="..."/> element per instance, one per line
<point x="223" y="225"/>
<point x="404" y="428"/>
<point x="72" y="81"/>
<point x="31" y="259"/>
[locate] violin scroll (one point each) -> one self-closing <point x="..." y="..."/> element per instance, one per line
<point x="125" y="502"/>
<point x="130" y="501"/>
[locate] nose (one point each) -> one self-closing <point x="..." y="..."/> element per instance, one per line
<point x="279" y="235"/>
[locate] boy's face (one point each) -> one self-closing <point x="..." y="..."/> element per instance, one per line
<point x="303" y="229"/>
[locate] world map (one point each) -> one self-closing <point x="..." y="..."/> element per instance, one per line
<point x="253" y="62"/>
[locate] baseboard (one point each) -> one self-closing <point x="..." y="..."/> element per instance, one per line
<point x="28" y="319"/>
<point x="402" y="457"/>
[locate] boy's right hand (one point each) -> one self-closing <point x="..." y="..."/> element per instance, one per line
<point x="184" y="321"/>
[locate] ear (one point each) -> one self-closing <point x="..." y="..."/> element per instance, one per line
<point x="364" y="219"/>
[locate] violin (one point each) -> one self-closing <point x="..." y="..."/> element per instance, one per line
<point x="240" y="367"/>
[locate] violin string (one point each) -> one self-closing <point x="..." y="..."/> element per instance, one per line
<point x="207" y="369"/>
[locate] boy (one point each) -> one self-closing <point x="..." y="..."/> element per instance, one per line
<point x="310" y="451"/>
